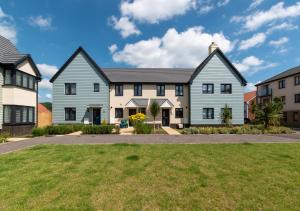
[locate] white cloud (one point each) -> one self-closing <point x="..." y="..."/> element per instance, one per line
<point x="7" y="27"/>
<point x="125" y="26"/>
<point x="250" y="86"/>
<point x="255" y="3"/>
<point x="206" y="9"/>
<point x="49" y="96"/>
<point x="174" y="49"/>
<point x="45" y="84"/>
<point x="112" y="48"/>
<point x="222" y="3"/>
<point x="153" y="11"/>
<point x="282" y="26"/>
<point x="275" y="13"/>
<point x="255" y="40"/>
<point x="41" y="22"/>
<point x="47" y="70"/>
<point x="252" y="64"/>
<point x="279" y="42"/>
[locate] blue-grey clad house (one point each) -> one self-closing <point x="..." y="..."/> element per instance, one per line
<point x="85" y="93"/>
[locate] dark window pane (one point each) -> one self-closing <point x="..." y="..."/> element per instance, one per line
<point x="208" y="113"/>
<point x="226" y="89"/>
<point x="118" y="112"/>
<point x="70" y="114"/>
<point x="297" y="98"/>
<point x="96" y="87"/>
<point x="207" y="88"/>
<point x="70" y="88"/>
<point x="7" y="114"/>
<point x="179" y="90"/>
<point x="160" y="90"/>
<point x="297" y="80"/>
<point x="179" y="113"/>
<point x="24" y="114"/>
<point x="137" y="89"/>
<point x="18" y="114"/>
<point x="8" y="77"/>
<point x="119" y="90"/>
<point x="18" y="78"/>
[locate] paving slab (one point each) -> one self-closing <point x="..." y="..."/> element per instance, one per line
<point x="171" y="131"/>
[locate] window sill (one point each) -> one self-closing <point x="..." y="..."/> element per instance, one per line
<point x="16" y="124"/>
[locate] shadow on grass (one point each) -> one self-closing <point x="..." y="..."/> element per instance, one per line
<point x="125" y="145"/>
<point x="133" y="157"/>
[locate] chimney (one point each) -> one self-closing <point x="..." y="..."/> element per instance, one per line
<point x="213" y="46"/>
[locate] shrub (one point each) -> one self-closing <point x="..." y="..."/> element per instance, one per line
<point x="97" y="129"/>
<point x="141" y="128"/>
<point x="38" y="131"/>
<point x="3" y="137"/>
<point x="104" y="122"/>
<point x="117" y="129"/>
<point x="253" y="129"/>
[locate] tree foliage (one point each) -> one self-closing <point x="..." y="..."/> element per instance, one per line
<point x="226" y="115"/>
<point x="269" y="113"/>
<point x="154" y="110"/>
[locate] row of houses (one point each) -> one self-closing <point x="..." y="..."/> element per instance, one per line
<point x="84" y="92"/>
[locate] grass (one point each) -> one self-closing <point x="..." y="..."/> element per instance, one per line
<point x="152" y="177"/>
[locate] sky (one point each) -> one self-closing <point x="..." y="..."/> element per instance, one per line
<point x="260" y="37"/>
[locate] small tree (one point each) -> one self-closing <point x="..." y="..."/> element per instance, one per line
<point x="226" y="115"/>
<point x="269" y="113"/>
<point x="154" y="110"/>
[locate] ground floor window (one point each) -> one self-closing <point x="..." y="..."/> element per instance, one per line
<point x="70" y="114"/>
<point x="208" y="113"/>
<point x="179" y="113"/>
<point x="295" y="116"/>
<point x="14" y="114"/>
<point x="284" y="116"/>
<point x="142" y="110"/>
<point x="118" y="112"/>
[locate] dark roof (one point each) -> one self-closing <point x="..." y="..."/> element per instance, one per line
<point x="149" y="75"/>
<point x="139" y="101"/>
<point x="9" y="55"/>
<point x="80" y="49"/>
<point x="287" y="73"/>
<point x="205" y="61"/>
<point x="160" y="101"/>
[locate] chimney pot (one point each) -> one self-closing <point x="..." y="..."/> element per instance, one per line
<point x="213" y="46"/>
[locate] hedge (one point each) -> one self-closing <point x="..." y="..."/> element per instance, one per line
<point x="97" y="129"/>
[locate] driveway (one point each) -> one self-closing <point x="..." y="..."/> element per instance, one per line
<point x="150" y="139"/>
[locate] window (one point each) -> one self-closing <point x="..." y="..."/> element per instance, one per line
<point x="119" y="90"/>
<point x="284" y="117"/>
<point x="160" y="90"/>
<point x="118" y="112"/>
<point x="208" y="113"/>
<point x="70" y="114"/>
<point x="283" y="99"/>
<point x="137" y="89"/>
<point x="226" y="89"/>
<point x="295" y="116"/>
<point x="96" y="87"/>
<point x="18" y="78"/>
<point x="179" y="113"/>
<point x="281" y="84"/>
<point x="178" y="90"/>
<point x="70" y="88"/>
<point x="207" y="88"/>
<point x="142" y="110"/>
<point x="297" y="98"/>
<point x="18" y="114"/>
<point x="297" y="80"/>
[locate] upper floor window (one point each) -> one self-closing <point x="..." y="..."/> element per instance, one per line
<point x="297" y="80"/>
<point x="207" y="88"/>
<point x="137" y="89"/>
<point x="70" y="114"/>
<point x="226" y="88"/>
<point x="281" y="84"/>
<point x="96" y="87"/>
<point x="178" y="90"/>
<point x="119" y="90"/>
<point x="18" y="78"/>
<point x="179" y="113"/>
<point x="208" y="113"/>
<point x="70" y="88"/>
<point x="160" y="90"/>
<point x="297" y="98"/>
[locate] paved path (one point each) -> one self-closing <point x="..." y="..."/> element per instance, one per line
<point x="171" y="131"/>
<point x="149" y="139"/>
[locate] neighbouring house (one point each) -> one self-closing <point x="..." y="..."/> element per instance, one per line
<point x="19" y="79"/>
<point x="85" y="93"/>
<point x="44" y="116"/>
<point x="285" y="85"/>
<point x="249" y="100"/>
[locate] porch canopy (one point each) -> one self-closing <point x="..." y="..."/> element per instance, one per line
<point x="163" y="103"/>
<point x="137" y="103"/>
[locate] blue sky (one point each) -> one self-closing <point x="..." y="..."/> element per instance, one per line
<point x="260" y="37"/>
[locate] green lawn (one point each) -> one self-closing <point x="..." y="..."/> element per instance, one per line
<point x="152" y="177"/>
